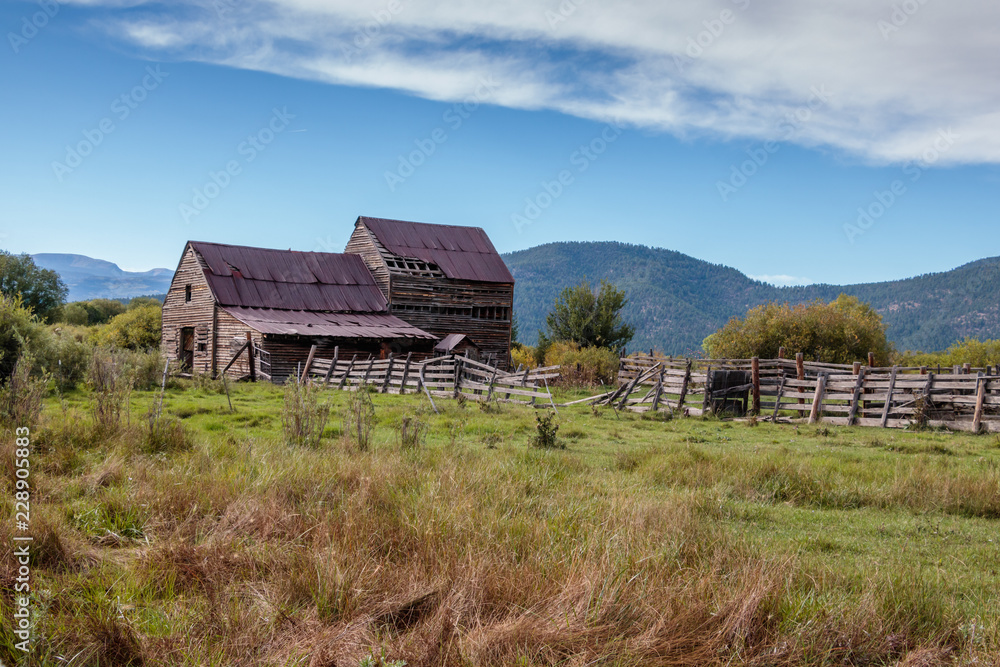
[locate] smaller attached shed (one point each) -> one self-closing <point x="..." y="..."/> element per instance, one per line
<point x="287" y="301"/>
<point x="458" y="344"/>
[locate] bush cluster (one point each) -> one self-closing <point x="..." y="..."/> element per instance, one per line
<point x="134" y="329"/>
<point x="580" y="366"/>
<point x="839" y="332"/>
<point x="972" y="351"/>
<point x="65" y="352"/>
<point x="64" y="357"/>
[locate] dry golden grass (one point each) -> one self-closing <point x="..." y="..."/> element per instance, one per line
<point x="642" y="543"/>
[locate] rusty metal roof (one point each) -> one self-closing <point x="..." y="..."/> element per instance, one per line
<point x="451" y="341"/>
<point x="288" y="279"/>
<point x="337" y="325"/>
<point x="463" y="253"/>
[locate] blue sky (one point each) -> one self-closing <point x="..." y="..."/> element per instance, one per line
<point x="739" y="132"/>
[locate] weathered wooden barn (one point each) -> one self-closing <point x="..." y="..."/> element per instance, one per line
<point x="287" y="301"/>
<point x="443" y="279"/>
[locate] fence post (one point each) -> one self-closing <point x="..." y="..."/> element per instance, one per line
<point x="333" y="365"/>
<point x="524" y="381"/>
<point x="489" y="394"/>
<point x="777" y="399"/>
<point x="458" y="376"/>
<point x="684" y="387"/>
<point x="856" y="398"/>
<point x="309" y="362"/>
<point x="250" y="354"/>
<point x="708" y="392"/>
<point x="928" y="400"/>
<point x="977" y="420"/>
<point x="755" y="370"/>
<point x="422" y="383"/>
<point x="406" y="374"/>
<point x="347" y="373"/>
<point x="817" y="407"/>
<point x="659" y="388"/>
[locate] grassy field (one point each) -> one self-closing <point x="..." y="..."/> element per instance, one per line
<point x="643" y="542"/>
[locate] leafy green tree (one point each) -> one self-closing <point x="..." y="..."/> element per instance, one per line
<point x="840" y="332"/>
<point x="41" y="290"/>
<point x="75" y="313"/>
<point x="98" y="311"/>
<point x="589" y="319"/>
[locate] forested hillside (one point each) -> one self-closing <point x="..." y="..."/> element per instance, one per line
<point x="676" y="300"/>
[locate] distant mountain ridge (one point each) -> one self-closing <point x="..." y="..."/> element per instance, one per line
<point x="89" y="278"/>
<point x="675" y="300"/>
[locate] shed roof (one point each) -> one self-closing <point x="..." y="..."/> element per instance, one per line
<point x="288" y="279"/>
<point x="337" y="325"/>
<point x="451" y="341"/>
<point x="463" y="253"/>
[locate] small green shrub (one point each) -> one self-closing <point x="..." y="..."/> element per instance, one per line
<point x="111" y="385"/>
<point x="360" y="418"/>
<point x="21" y="395"/>
<point x="490" y="407"/>
<point x="411" y="433"/>
<point x="304" y="416"/>
<point x="69" y="359"/>
<point x="545" y="432"/>
<point x="164" y="434"/>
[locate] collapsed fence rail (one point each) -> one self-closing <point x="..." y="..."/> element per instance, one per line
<point x="958" y="398"/>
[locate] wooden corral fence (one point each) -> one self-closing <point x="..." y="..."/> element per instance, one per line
<point x="249" y="359"/>
<point x="449" y="376"/>
<point x="960" y="398"/>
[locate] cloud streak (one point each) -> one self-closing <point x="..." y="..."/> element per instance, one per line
<point x="898" y="72"/>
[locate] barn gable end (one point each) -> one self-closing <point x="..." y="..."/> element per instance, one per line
<point x="443" y="279"/>
<point x="189" y="304"/>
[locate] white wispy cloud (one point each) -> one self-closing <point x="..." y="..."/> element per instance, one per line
<point x="897" y="72"/>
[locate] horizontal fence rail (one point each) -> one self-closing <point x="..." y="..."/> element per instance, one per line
<point x="958" y="398"/>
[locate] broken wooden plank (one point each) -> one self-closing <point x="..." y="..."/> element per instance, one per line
<point x="888" y="398"/>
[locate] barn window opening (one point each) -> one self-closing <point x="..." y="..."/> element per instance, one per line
<point x="187" y="293"/>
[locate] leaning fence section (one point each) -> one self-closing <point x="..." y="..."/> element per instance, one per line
<point x="959" y="398"/>
<point x="450" y="376"/>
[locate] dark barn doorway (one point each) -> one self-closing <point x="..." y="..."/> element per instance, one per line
<point x="187" y="348"/>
